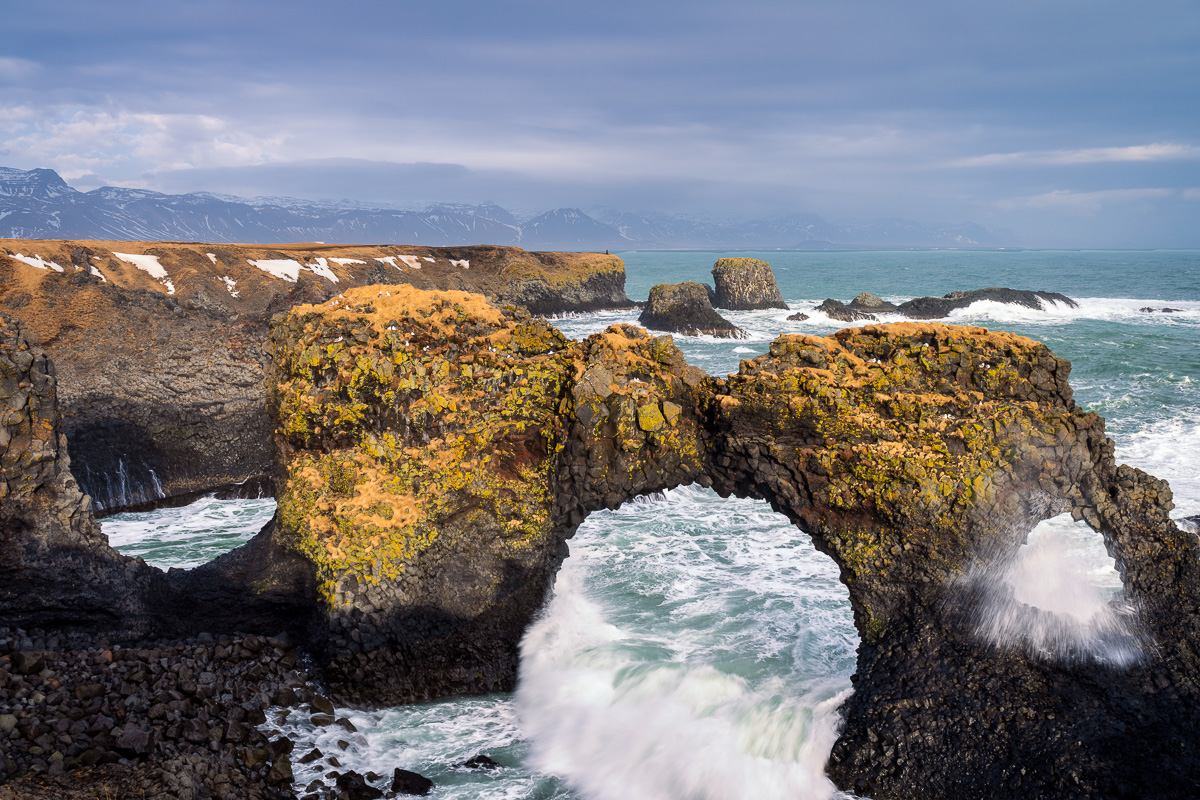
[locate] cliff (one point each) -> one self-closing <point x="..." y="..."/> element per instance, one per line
<point x="160" y="346"/>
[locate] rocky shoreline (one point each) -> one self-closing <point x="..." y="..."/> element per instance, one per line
<point x="81" y="716"/>
<point x="434" y="452"/>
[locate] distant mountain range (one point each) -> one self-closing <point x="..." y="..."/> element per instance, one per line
<point x="38" y="204"/>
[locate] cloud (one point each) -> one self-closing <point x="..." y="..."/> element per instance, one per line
<point x="83" y="142"/>
<point x="1163" y="151"/>
<point x="1088" y="203"/>
<point x="17" y="69"/>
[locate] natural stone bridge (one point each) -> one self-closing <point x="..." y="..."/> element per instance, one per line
<point x="434" y="453"/>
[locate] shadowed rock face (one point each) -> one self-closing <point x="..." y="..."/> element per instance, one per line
<point x="685" y="308"/>
<point x="745" y="284"/>
<point x="160" y="346"/>
<point x="435" y="453"/>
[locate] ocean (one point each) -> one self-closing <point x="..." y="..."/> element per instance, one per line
<point x="698" y="648"/>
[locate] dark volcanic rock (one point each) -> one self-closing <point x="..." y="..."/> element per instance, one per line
<point x="910" y="453"/>
<point x="836" y="309"/>
<point x="745" y="284"/>
<point x="1166" y="310"/>
<point x="871" y="304"/>
<point x="940" y="307"/>
<point x="685" y="308"/>
<point x="436" y="452"/>
<point x="798" y="317"/>
<point x="407" y="782"/>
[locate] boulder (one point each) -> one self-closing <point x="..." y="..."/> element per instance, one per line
<point x="685" y="308"/>
<point x="407" y="782"/>
<point x="798" y="317"/>
<point x="871" y="304"/>
<point x="745" y="284"/>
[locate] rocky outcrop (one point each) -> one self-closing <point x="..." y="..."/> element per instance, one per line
<point x="867" y="307"/>
<point x="940" y="307"/>
<point x="685" y="308"/>
<point x="836" y="309"/>
<point x="160" y="345"/>
<point x="436" y="452"/>
<point x="871" y="304"/>
<point x="745" y="284"/>
<point x="56" y="568"/>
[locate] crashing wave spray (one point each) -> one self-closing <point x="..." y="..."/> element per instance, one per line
<point x="1059" y="596"/>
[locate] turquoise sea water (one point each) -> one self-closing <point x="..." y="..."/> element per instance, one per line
<point x="698" y="648"/>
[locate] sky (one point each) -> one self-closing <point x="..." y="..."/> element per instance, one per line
<point x="1069" y="123"/>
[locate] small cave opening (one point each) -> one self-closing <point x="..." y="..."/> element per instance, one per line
<point x="1059" y="596"/>
<point x="689" y="641"/>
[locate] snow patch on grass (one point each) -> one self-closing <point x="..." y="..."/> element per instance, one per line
<point x="36" y="261"/>
<point x="149" y="265"/>
<point x="229" y="284"/>
<point x="463" y="263"/>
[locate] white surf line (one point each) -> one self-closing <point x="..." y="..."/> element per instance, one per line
<point x="36" y="261"/>
<point x="149" y="264"/>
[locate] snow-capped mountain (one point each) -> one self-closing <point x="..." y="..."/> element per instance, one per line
<point x="38" y="204"/>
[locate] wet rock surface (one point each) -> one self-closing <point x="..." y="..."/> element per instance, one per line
<point x="685" y="308"/>
<point x="745" y="284"/>
<point x="161" y="719"/>
<point x="161" y="377"/>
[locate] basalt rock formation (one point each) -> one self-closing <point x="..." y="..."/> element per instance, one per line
<point x="160" y="346"/>
<point x="866" y="307"/>
<point x="685" y="308"/>
<point x="939" y="307"/>
<point x="745" y="284"/>
<point x="836" y="309"/>
<point x="436" y="452"/>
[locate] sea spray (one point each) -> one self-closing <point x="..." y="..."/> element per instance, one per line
<point x="1058" y="596"/>
<point x="693" y="648"/>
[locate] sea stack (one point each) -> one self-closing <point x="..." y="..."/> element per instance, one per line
<point x="745" y="284"/>
<point x="685" y="308"/>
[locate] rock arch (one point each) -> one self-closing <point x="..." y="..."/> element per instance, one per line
<point x="434" y="453"/>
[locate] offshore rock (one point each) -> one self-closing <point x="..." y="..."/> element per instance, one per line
<point x="745" y="284"/>
<point x="436" y="453"/>
<point x="685" y="308"/>
<point x="871" y="304"/>
<point x="836" y="309"/>
<point x="160" y="346"/>
<point x="939" y="307"/>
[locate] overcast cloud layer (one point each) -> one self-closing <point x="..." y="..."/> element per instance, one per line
<point x="1072" y="123"/>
